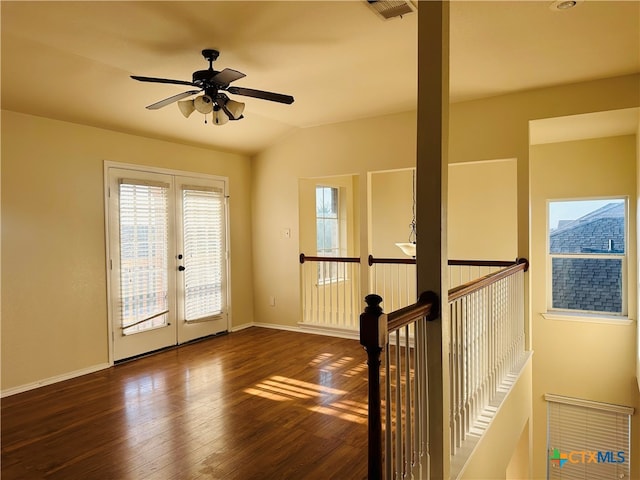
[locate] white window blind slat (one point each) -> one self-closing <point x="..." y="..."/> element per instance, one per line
<point x="204" y="255"/>
<point x="592" y="440"/>
<point x="144" y="240"/>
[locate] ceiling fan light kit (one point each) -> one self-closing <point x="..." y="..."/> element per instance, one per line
<point x="203" y="104"/>
<point x="186" y="107"/>
<point x="213" y="84"/>
<point x="219" y="117"/>
<point x="236" y="108"/>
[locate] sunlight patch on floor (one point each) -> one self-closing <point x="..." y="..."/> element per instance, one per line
<point x="292" y="389"/>
<point x="311" y="386"/>
<point x="266" y="394"/>
<point x="282" y="389"/>
<point x="340" y="410"/>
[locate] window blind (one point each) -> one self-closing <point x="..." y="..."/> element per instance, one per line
<point x="204" y="251"/>
<point x="144" y="238"/>
<point x="587" y="440"/>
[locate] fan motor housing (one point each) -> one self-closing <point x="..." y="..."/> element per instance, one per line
<point x="202" y="76"/>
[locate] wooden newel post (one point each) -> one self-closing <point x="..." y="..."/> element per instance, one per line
<point x="371" y="338"/>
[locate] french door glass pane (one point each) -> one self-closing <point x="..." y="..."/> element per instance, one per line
<point x="143" y="256"/>
<point x="203" y="210"/>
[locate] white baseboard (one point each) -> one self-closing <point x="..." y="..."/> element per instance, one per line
<point x="329" y="331"/>
<point x="277" y="326"/>
<point x="313" y="329"/>
<point x="242" y="327"/>
<point x="48" y="381"/>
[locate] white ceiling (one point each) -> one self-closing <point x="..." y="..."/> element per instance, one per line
<point x="72" y="60"/>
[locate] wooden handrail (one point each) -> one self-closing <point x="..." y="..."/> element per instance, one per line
<point x="408" y="261"/>
<point x="475" y="285"/>
<point x="427" y="306"/>
<point x="304" y="258"/>
<point x="468" y="263"/>
<point x="481" y="263"/>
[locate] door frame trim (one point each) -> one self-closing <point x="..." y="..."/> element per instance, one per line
<point x="166" y="171"/>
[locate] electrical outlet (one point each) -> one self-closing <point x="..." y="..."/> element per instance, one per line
<point x="272" y="301"/>
<point x="286" y="233"/>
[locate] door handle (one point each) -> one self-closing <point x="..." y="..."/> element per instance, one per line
<point x="181" y="268"/>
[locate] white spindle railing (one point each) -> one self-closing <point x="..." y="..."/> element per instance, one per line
<point x="487" y="348"/>
<point x="330" y="292"/>
<point x="486" y="353"/>
<point x="405" y="403"/>
<point x="394" y="280"/>
<point x="398" y="412"/>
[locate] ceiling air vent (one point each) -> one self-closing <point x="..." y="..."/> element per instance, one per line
<point x="388" y="9"/>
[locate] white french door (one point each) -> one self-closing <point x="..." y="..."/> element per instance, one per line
<point x="167" y="259"/>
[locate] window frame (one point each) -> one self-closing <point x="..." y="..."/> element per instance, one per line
<point x="335" y="274"/>
<point x="111" y="170"/>
<point x="337" y="220"/>
<point x="569" y="313"/>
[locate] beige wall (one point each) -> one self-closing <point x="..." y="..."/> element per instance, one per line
<point x="54" y="308"/>
<point x="482" y="220"/>
<point x="591" y="360"/>
<point x="350" y="148"/>
<point x="498" y="127"/>
<point x="391" y="206"/>
<point x="638" y="237"/>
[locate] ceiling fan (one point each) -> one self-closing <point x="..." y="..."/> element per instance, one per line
<point x="213" y="84"/>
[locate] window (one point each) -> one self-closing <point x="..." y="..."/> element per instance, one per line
<point x="327" y="221"/>
<point x="143" y="255"/>
<point x="587" y="440"/>
<point x="203" y="214"/>
<point x="328" y="233"/>
<point x="587" y="256"/>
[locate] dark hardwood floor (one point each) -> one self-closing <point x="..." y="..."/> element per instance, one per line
<point x="256" y="404"/>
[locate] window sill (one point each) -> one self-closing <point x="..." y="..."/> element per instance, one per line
<point x="589" y="318"/>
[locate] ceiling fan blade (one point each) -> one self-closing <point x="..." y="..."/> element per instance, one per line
<point x="226" y="76"/>
<point x="163" y="80"/>
<point x="250" y="92"/>
<point x="175" y="98"/>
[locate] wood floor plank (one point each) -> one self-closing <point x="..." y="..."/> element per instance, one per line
<point x="256" y="404"/>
